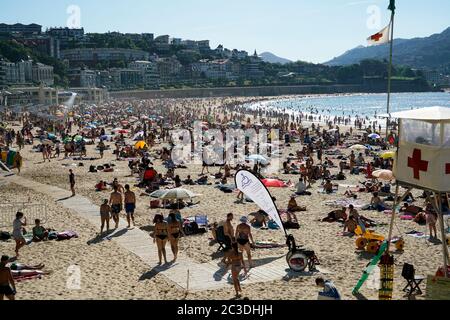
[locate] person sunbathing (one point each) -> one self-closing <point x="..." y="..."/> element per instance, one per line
<point x="336" y="216"/>
<point x="25" y="273"/>
<point x="259" y="219"/>
<point x="328" y="187"/>
<point x="293" y="206"/>
<point x="376" y="203"/>
<point x="101" y="186"/>
<point x="39" y="232"/>
<point x="188" y="181"/>
<point x="410" y="209"/>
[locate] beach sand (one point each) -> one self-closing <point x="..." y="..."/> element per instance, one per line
<point x="110" y="272"/>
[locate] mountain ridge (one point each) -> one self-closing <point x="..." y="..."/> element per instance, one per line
<point x="431" y="52"/>
<point x="272" y="58"/>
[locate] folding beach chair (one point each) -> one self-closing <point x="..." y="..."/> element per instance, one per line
<point x="220" y="237"/>
<point x="413" y="281"/>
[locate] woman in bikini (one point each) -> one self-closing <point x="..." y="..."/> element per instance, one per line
<point x="160" y="236"/>
<point x="175" y="232"/>
<point x="237" y="263"/>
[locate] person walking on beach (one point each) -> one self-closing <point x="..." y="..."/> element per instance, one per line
<point x="130" y="205"/>
<point x="7" y="285"/>
<point x="17" y="233"/>
<point x="243" y="238"/>
<point x="160" y="237"/>
<point x="236" y="260"/>
<point x="175" y="232"/>
<point x="72" y="182"/>
<point x="116" y="205"/>
<point x="105" y="211"/>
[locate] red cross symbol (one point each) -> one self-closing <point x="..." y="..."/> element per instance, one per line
<point x="447" y="168"/>
<point x="376" y="37"/>
<point x="417" y="164"/>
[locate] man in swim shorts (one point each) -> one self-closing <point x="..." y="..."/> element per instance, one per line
<point x="116" y="205"/>
<point x="7" y="285"/>
<point x="243" y="238"/>
<point x="130" y="204"/>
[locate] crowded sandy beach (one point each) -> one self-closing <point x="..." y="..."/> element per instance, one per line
<point x="123" y="216"/>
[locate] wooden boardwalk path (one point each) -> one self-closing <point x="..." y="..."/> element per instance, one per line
<point x="202" y="276"/>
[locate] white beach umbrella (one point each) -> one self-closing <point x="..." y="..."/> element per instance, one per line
<point x="358" y="147"/>
<point x="174" y="194"/>
<point x="383" y="175"/>
<point x="258" y="158"/>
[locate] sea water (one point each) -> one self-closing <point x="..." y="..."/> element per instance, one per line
<point x="368" y="106"/>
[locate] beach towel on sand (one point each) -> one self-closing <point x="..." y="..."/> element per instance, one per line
<point x="66" y="235"/>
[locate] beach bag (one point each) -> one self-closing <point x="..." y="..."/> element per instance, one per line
<point x="272" y="225"/>
<point x="52" y="235"/>
<point x="4" y="236"/>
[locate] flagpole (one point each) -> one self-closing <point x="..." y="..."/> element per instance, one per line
<point x="392" y="8"/>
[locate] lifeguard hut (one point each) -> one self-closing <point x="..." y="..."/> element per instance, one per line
<point x="423" y="159"/>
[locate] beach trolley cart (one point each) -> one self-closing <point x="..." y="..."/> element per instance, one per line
<point x="423" y="159"/>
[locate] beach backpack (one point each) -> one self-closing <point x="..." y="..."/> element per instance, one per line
<point x="4" y="236"/>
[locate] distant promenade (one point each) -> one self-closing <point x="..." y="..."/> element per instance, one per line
<point x="267" y="91"/>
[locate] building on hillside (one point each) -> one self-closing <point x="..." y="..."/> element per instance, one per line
<point x="216" y="69"/>
<point x="149" y="70"/>
<point x="165" y="39"/>
<point x="436" y="78"/>
<point x="42" y="43"/>
<point x="43" y="74"/>
<point x="175" y="41"/>
<point x="203" y="46"/>
<point x="253" y="67"/>
<point x="126" y="78"/>
<point x="82" y="78"/>
<point x="240" y="55"/>
<point x="32" y="95"/>
<point x="168" y="69"/>
<point x="25" y="72"/>
<point x="66" y="33"/>
<point x="18" y="28"/>
<point x="92" y="56"/>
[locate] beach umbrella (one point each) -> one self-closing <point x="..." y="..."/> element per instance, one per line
<point x="67" y="139"/>
<point x="138" y="136"/>
<point x="358" y="147"/>
<point x="78" y="138"/>
<point x="388" y="155"/>
<point x="383" y="175"/>
<point x="173" y="194"/>
<point x="274" y="183"/>
<point x="374" y="136"/>
<point x="258" y="158"/>
<point x="140" y="145"/>
<point x="51" y="136"/>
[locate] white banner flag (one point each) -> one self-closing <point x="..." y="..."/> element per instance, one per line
<point x="253" y="188"/>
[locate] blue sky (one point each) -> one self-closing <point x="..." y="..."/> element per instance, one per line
<point x="309" y="30"/>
